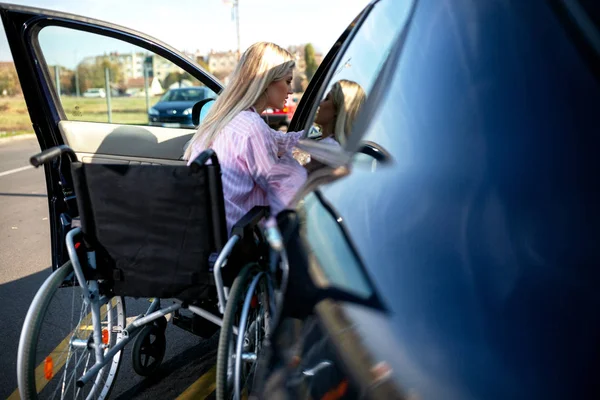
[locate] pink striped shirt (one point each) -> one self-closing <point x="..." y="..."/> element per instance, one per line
<point x="257" y="167"/>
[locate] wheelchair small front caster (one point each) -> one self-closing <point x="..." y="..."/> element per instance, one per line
<point x="161" y="323"/>
<point x="148" y="350"/>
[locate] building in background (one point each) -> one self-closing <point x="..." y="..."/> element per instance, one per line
<point x="222" y="64"/>
<point x="161" y="68"/>
<point x="132" y="64"/>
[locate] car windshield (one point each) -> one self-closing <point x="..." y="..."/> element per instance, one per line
<point x="188" y="94"/>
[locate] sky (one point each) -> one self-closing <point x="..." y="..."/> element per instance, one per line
<point x="204" y="25"/>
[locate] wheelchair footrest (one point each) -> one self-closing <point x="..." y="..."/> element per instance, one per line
<point x="194" y="323"/>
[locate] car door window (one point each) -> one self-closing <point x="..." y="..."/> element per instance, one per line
<point x="358" y="66"/>
<point x="102" y="79"/>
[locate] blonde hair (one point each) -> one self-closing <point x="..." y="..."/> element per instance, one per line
<point x="260" y="65"/>
<point x="348" y="97"/>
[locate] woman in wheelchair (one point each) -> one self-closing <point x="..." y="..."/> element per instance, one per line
<point x="256" y="162"/>
<point x="186" y="241"/>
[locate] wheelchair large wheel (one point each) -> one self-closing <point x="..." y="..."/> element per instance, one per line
<point x="56" y="344"/>
<point x="248" y="310"/>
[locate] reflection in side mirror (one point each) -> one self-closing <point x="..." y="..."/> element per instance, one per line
<point x="200" y="110"/>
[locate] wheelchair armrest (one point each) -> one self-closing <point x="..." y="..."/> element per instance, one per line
<point x="249" y="221"/>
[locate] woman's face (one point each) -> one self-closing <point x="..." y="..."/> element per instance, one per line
<point x="326" y="111"/>
<point x="278" y="91"/>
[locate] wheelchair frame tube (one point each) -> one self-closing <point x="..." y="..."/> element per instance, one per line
<point x="96" y="323"/>
<point x="209" y="316"/>
<point x="220" y="263"/>
<point x="75" y="261"/>
<point x="95" y="301"/>
<point x="85" y="378"/>
<point x="92" y="300"/>
<point x="152" y="316"/>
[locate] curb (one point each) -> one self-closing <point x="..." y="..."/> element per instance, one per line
<point x="17" y="137"/>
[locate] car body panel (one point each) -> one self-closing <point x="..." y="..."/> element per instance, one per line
<point x="95" y="92"/>
<point x="480" y="235"/>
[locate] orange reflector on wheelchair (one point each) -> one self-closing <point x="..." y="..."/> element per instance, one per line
<point x="48" y="368"/>
<point x="105" y="336"/>
<point x="254" y="301"/>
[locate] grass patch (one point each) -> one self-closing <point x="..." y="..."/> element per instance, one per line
<point x="124" y="110"/>
<point x="14" y="116"/>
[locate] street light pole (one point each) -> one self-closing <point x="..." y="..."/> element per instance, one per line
<point x="235" y="13"/>
<point x="237" y="26"/>
<point x="77" y="81"/>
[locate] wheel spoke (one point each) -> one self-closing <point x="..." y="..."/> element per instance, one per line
<point x="47" y="327"/>
<point x="71" y="375"/>
<point x="151" y="352"/>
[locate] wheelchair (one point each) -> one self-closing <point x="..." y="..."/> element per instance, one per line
<point x="156" y="232"/>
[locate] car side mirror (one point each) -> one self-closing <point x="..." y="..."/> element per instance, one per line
<point x="200" y="110"/>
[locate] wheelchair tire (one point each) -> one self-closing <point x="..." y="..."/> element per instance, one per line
<point x="227" y="339"/>
<point x="43" y="368"/>
<point x="148" y="350"/>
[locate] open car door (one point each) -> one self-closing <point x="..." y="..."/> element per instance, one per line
<point x="93" y="85"/>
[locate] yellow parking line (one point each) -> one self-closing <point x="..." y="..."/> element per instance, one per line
<point x="202" y="388"/>
<point x="15" y="395"/>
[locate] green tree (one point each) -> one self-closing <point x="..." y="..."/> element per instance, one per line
<point x="66" y="78"/>
<point x="91" y="75"/>
<point x="311" y="62"/>
<point x="66" y="81"/>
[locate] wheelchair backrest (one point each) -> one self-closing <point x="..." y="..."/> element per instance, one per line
<point x="152" y="217"/>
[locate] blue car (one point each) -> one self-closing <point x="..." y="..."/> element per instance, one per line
<point x="174" y="109"/>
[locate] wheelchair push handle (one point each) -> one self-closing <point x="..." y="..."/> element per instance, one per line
<point x="51" y="154"/>
<point x="203" y="158"/>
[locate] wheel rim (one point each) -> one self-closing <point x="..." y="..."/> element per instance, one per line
<point x="67" y="321"/>
<point x="252" y="329"/>
<point x="149" y="350"/>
